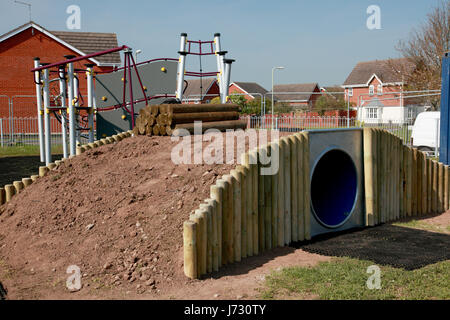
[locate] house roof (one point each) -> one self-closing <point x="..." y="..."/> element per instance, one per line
<point x="82" y="43"/>
<point x="194" y="91"/>
<point x="251" y="87"/>
<point x="306" y="90"/>
<point x="387" y="71"/>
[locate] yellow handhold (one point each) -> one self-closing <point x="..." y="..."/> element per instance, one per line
<point x="124" y="117"/>
<point x="163" y="69"/>
<point x="145" y="88"/>
<point x="41" y="112"/>
<point x="47" y="111"/>
<point x="104" y="98"/>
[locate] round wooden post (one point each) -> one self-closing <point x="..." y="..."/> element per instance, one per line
<point x="190" y="249"/>
<point x="230" y="219"/>
<point x="222" y="193"/>
<point x="414" y="182"/>
<point x="281" y="187"/>
<point x="261" y="203"/>
<point x="287" y="193"/>
<point x="268" y="203"/>
<point x="249" y="202"/>
<point x="27" y="182"/>
<point x="423" y="159"/>
<point x="244" y="171"/>
<point x="253" y="156"/>
<point x="434" y="204"/>
<point x="441" y="188"/>
<point x="294" y="188"/>
<point x="429" y="186"/>
<point x="237" y="214"/>
<point x="43" y="171"/>
<point x="419" y="182"/>
<point x="217" y="195"/>
<point x="34" y="178"/>
<point x="300" y="189"/>
<point x="19" y="186"/>
<point x="201" y="217"/>
<point x="274" y="196"/>
<point x="10" y="191"/>
<point x="369" y="175"/>
<point x="207" y="210"/>
<point x="382" y="176"/>
<point x="2" y="196"/>
<point x="306" y="186"/>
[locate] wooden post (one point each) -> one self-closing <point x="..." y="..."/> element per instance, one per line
<point x="441" y="188"/>
<point x="261" y="203"/>
<point x="10" y="191"/>
<point x="34" y="178"/>
<point x="446" y="172"/>
<point x="203" y="228"/>
<point x="237" y="191"/>
<point x="27" y="182"/>
<point x="405" y="181"/>
<point x="281" y="186"/>
<point x="369" y="175"/>
<point x="43" y="171"/>
<point x="306" y="186"/>
<point x="255" y="173"/>
<point x="423" y="159"/>
<point x="414" y="182"/>
<point x="2" y="196"/>
<point x="402" y="180"/>
<point x="215" y="235"/>
<point x="207" y="210"/>
<point x="294" y="188"/>
<point x="429" y="186"/>
<point x="244" y="204"/>
<point x="382" y="175"/>
<point x="287" y="192"/>
<point x="249" y="203"/>
<point x="419" y="182"/>
<point x="434" y="203"/>
<point x="19" y="186"/>
<point x="268" y="203"/>
<point x="388" y="176"/>
<point x="190" y="249"/>
<point x="300" y="188"/>
<point x="275" y="194"/>
<point x="217" y="195"/>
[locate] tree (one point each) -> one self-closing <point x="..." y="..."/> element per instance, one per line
<point x="329" y="102"/>
<point x="424" y="51"/>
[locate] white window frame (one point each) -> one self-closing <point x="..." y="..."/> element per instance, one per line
<point x="410" y="114"/>
<point x="380" y="90"/>
<point x="372" y="113"/>
<point x="371" y="90"/>
<point x="350" y="92"/>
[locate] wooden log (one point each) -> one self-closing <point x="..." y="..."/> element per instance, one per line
<point x="369" y="175"/>
<point x="423" y="159"/>
<point x="253" y="156"/>
<point x="414" y="182"/>
<point x="27" y="182"/>
<point x="249" y="202"/>
<point x="156" y="130"/>
<point x="212" y="203"/>
<point x="281" y="187"/>
<point x="207" y="209"/>
<point x="306" y="186"/>
<point x="190" y="249"/>
<point x="175" y="109"/>
<point x="261" y="203"/>
<point x="429" y="186"/>
<point x="217" y="195"/>
<point x="169" y="130"/>
<point x="219" y="125"/>
<point x="243" y="170"/>
<point x="398" y="180"/>
<point x="182" y="118"/>
<point x="441" y="188"/>
<point x="382" y="176"/>
<point x="419" y="183"/>
<point x="300" y="191"/>
<point x="435" y="190"/>
<point x="162" y="130"/>
<point x="267" y="203"/>
<point x="401" y="167"/>
<point x="409" y="185"/>
<point x="34" y="178"/>
<point x="10" y="191"/>
<point x="294" y="188"/>
<point x="229" y="222"/>
<point x="203" y="228"/>
<point x="19" y="186"/>
<point x="237" y="214"/>
<point x="2" y="196"/>
<point x="198" y="220"/>
<point x="154" y="110"/>
<point x="275" y="149"/>
<point x="446" y="189"/>
<point x="287" y="193"/>
<point x="404" y="173"/>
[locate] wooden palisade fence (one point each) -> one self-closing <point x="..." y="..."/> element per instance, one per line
<point x="249" y="213"/>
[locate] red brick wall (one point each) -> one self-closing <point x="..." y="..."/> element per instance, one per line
<point x="394" y="99"/>
<point x="236" y="90"/>
<point x="16" y="61"/>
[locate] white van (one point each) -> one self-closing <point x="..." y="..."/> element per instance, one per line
<point x="426" y="131"/>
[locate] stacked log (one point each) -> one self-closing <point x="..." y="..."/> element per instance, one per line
<point x="169" y="119"/>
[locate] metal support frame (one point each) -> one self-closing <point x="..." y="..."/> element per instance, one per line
<point x="90" y="90"/>
<point x="445" y="111"/>
<point x="40" y="112"/>
<point x="181" y="67"/>
<point x="71" y="107"/>
<point x="227" y="77"/>
<point x="63" y="98"/>
<point x="47" y="129"/>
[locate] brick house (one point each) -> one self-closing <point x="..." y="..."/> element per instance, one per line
<point x="250" y="90"/>
<point x="376" y="88"/>
<point x="201" y="90"/>
<point x="20" y="46"/>
<point x="299" y="96"/>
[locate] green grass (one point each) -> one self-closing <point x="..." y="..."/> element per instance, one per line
<point x="26" y="150"/>
<point x="345" y="279"/>
<point x="417" y="224"/>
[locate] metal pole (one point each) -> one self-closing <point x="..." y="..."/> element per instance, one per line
<point x="273" y="71"/>
<point x="62" y="89"/>
<point x="48" y="147"/>
<point x="1" y="132"/>
<point x="219" y="62"/>
<point x="130" y="88"/>
<point x="445" y="112"/>
<point x="71" y="109"/>
<point x="75" y="119"/>
<point x="40" y="112"/>
<point x="90" y="87"/>
<point x="348" y="109"/>
<point x="227" y="76"/>
<point x="181" y="67"/>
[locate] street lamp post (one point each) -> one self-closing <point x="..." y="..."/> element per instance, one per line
<point x="136" y="55"/>
<point x="273" y="71"/>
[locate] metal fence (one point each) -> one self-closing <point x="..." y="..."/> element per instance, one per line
<point x="298" y="123"/>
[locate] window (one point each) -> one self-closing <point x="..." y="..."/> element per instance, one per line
<point x="410" y="113"/>
<point x="380" y="90"/>
<point x="350" y="92"/>
<point x="372" y="113"/>
<point x="371" y="90"/>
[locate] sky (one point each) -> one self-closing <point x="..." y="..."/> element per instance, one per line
<point x="316" y="41"/>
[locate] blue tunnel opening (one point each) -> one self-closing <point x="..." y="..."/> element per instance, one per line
<point x="334" y="188"/>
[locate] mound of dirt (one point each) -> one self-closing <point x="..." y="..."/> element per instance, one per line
<point x="116" y="212"/>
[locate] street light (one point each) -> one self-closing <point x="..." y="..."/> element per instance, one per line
<point x="136" y="54"/>
<point x="273" y="71"/>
